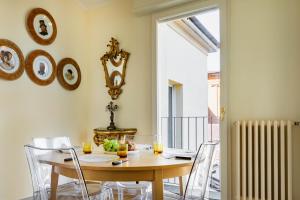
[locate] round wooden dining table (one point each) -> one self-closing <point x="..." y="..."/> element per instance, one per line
<point x="144" y="166"/>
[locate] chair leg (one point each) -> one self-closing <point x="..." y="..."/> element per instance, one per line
<point x="111" y="194"/>
<point x="120" y="193"/>
<point x="145" y="193"/>
<point x="107" y="195"/>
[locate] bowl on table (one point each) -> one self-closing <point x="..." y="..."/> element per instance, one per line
<point x="111" y="147"/>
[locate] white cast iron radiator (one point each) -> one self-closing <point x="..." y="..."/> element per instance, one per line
<point x="263" y="160"/>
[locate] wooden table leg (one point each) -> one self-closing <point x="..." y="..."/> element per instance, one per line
<point x="157" y="185"/>
<point x="54" y="183"/>
<point x="181" y="185"/>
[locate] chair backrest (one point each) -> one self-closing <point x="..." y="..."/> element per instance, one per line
<point x="41" y="171"/>
<point x="52" y="142"/>
<point x="198" y="178"/>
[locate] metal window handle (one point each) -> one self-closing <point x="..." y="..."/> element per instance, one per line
<point x="222" y="113"/>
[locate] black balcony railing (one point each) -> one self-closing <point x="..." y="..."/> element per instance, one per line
<point x="188" y="132"/>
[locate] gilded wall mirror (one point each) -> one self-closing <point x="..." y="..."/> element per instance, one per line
<point x="114" y="63"/>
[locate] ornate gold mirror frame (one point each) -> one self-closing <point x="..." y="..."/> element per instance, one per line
<point x="114" y="63"/>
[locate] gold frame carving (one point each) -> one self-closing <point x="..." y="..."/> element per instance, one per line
<point x="111" y="56"/>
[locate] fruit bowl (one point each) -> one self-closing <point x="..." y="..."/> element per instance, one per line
<point x="110" y="145"/>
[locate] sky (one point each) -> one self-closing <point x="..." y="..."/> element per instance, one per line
<point x="211" y="21"/>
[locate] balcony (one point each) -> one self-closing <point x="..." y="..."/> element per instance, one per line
<point x="189" y="133"/>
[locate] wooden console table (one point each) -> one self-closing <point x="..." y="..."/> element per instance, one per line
<point x="102" y="133"/>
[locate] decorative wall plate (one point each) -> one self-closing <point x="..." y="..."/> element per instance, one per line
<point x="68" y="73"/>
<point x="11" y="60"/>
<point x="41" y="67"/>
<point x="41" y="26"/>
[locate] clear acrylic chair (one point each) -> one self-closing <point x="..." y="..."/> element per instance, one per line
<point x="199" y="175"/>
<point x="62" y="142"/>
<point x="68" y="188"/>
<point x="135" y="190"/>
<point x="52" y="142"/>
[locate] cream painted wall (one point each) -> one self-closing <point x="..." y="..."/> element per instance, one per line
<point x="83" y="36"/>
<point x="182" y="62"/>
<point x="264" y="65"/>
<point x="263" y="72"/>
<point x="29" y="110"/>
<point x="115" y="19"/>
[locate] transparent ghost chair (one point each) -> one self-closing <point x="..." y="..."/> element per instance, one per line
<point x="135" y="190"/>
<point x="198" y="179"/>
<point x="39" y="160"/>
<point x="52" y="142"/>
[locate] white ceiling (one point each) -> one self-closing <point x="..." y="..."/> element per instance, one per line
<point x="140" y="6"/>
<point x="92" y="3"/>
<point x="148" y="6"/>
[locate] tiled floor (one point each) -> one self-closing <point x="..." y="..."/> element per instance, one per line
<point x="213" y="194"/>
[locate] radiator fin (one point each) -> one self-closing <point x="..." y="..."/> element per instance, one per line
<point x="263" y="160"/>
